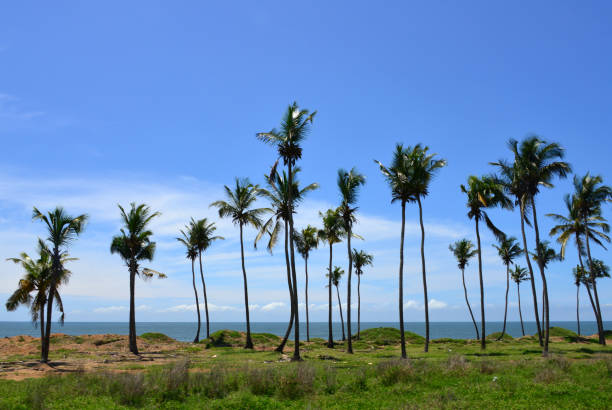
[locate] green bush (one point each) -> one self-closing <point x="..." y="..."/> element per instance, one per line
<point x="155" y="337"/>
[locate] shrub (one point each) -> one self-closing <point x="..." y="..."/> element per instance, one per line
<point x="262" y="381"/>
<point x="487" y="367"/>
<point x="127" y="388"/>
<point x="394" y="370"/>
<point x="176" y="378"/>
<point x="384" y="336"/>
<point x="457" y="363"/>
<point x="497" y="336"/>
<point x="155" y="337"/>
<point x="213" y="384"/>
<point x="296" y="382"/>
<point x="330" y="380"/>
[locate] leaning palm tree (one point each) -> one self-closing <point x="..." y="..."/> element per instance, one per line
<point x="483" y="193"/>
<point x="62" y="229"/>
<point x="239" y="207"/>
<point x="305" y="241"/>
<point x="361" y="259"/>
<point x="187" y="239"/>
<point x="519" y="275"/>
<point x="331" y="233"/>
<point x="295" y="125"/>
<point x="133" y="246"/>
<point x="507" y="250"/>
<point x="349" y="183"/>
<point x="589" y="196"/>
<point x="203" y="235"/>
<point x="464" y="250"/>
<point x="578" y="273"/>
<point x="335" y="276"/>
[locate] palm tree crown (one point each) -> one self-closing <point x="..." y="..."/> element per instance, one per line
<point x="333" y="227"/>
<point x="306" y="240"/>
<point x="464" y="250"/>
<point x="361" y="259"/>
<point x="482" y="193"/>
<point x="336" y="275"/>
<point x="239" y="202"/>
<point x="519" y="274"/>
<point x="508" y="249"/>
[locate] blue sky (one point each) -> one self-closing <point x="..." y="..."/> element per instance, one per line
<point x="159" y="102"/>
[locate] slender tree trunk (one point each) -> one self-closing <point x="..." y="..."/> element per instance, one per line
<point x="545" y="308"/>
<point x="52" y="285"/>
<point x="468" y="303"/>
<point x="358" y="306"/>
<point x="424" y="275"/>
<point x="42" y="331"/>
<point x="306" y="297"/>
<point x="296" y="315"/>
<point x="602" y="337"/>
<point x="506" y="308"/>
<point x="195" y="290"/>
<point x="205" y="297"/>
<point x="589" y="291"/>
<point x="341" y="317"/>
<point x="330" y="338"/>
<point x="401" y="283"/>
<point x="483" y="339"/>
<point x="249" y="341"/>
<point x="132" y="324"/>
<point x="578" y="307"/>
<point x="348" y="291"/>
<point x="591" y="300"/>
<point x="518" y="290"/>
<point x="283" y="342"/>
<point x="533" y="288"/>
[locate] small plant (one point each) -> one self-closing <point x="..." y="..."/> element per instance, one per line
<point x="127" y="388"/>
<point x="262" y="381"/>
<point x="487" y="367"/>
<point x="176" y="378"/>
<point x="297" y="382"/>
<point x="457" y="363"/>
<point x="214" y="384"/>
<point x="394" y="370"/>
<point x="330" y="380"/>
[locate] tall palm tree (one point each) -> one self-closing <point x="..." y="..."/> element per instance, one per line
<point x="335" y="276"/>
<point x="62" y="229"/>
<point x="589" y="195"/>
<point x="134" y="245"/>
<point x="332" y="232"/>
<point x="507" y="250"/>
<point x="483" y="193"/>
<point x="349" y="183"/>
<point x="33" y="286"/>
<point x="464" y="250"/>
<point x="305" y="241"/>
<point x="187" y="239"/>
<point x="544" y="254"/>
<point x="278" y="195"/>
<point x="295" y="125"/>
<point x="203" y="235"/>
<point x="361" y="259"/>
<point x="239" y="207"/>
<point x="578" y="273"/>
<point x="519" y="275"/>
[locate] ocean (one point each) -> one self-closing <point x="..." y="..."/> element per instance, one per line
<point x="185" y="331"/>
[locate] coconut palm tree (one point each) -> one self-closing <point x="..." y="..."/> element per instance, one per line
<point x="238" y="206"/>
<point x="62" y="229"/>
<point x="203" y="235"/>
<point x="589" y="196"/>
<point x="349" y="183"/>
<point x="507" y="250"/>
<point x="578" y="273"/>
<point x="305" y="241"/>
<point x="134" y="245"/>
<point x="295" y="125"/>
<point x="361" y="259"/>
<point x="483" y="193"/>
<point x="544" y="254"/>
<point x="187" y="239"/>
<point x="464" y="250"/>
<point x="519" y="275"/>
<point x="335" y="276"/>
<point x="278" y="194"/>
<point x="331" y="233"/>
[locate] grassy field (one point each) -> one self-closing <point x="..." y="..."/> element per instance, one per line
<point x="218" y="374"/>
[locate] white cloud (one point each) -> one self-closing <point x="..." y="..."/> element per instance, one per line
<point x="110" y="309"/>
<point x="272" y="306"/>
<point x="437" y="304"/>
<point x="433" y="304"/>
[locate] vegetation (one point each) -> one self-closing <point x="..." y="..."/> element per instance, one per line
<point x="361" y="259"/>
<point x="464" y="250"/>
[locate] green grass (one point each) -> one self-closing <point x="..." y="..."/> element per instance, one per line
<point x="155" y="337"/>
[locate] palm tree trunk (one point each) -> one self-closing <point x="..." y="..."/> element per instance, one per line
<point x="341" y="317"/>
<point x="249" y="341"/>
<point x="518" y="290"/>
<point x="506" y="308"/>
<point x="468" y="303"/>
<point x="589" y="292"/>
<point x="424" y="274"/>
<point x="132" y="324"/>
<point x="358" y="306"/>
<point x="283" y="342"/>
<point x="545" y="308"/>
<point x="602" y="338"/>
<point x="483" y="343"/>
<point x="578" y="307"/>
<point x="296" y="316"/>
<point x="195" y="290"/>
<point x="56" y="267"/>
<point x="401" y="283"/>
<point x="330" y="338"/>
<point x="205" y="298"/>
<point x="533" y="288"/>
<point x="348" y="291"/>
<point x="42" y="331"/>
<point x="306" y="297"/>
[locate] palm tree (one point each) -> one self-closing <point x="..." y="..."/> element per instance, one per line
<point x="544" y="254"/>
<point x="335" y="276"/>
<point x="133" y="246"/>
<point x="238" y="207"/>
<point x="62" y="229"/>
<point x="305" y="241"/>
<point x="278" y="194"/>
<point x="187" y="239"/>
<point x="507" y="250"/>
<point x="348" y="184"/>
<point x="332" y="232"/>
<point x="519" y="275"/>
<point x="295" y="125"/>
<point x="203" y="236"/>
<point x="578" y="273"/>
<point x="361" y="259"/>
<point x="464" y="250"/>
<point x="590" y="194"/>
<point x="484" y="193"/>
